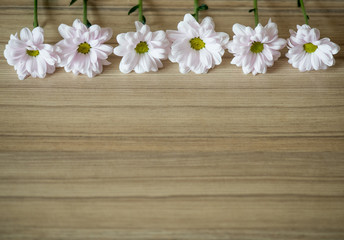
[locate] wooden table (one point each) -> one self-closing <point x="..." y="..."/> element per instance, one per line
<point x="171" y="156"/>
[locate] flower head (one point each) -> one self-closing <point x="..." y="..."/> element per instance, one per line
<point x="29" y="55"/>
<point x="143" y="50"/>
<point x="82" y="49"/>
<point x="255" y="49"/>
<point x="307" y="51"/>
<point x="196" y="47"/>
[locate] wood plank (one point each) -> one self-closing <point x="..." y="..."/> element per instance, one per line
<point x="171" y="156"/>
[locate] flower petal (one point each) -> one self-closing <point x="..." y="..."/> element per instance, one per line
<point x="26" y="35"/>
<point x="38" y="35"/>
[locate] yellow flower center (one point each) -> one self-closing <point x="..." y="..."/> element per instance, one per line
<point x="84" y="48"/>
<point x="141" y="47"/>
<point x="197" y="43"/>
<point x="310" y="47"/>
<point x="32" y="53"/>
<point x="257" y="47"/>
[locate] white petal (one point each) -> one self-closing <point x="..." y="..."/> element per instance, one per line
<point x="159" y="53"/>
<point x="315" y="61"/>
<point x="25" y="34"/>
<point x="190" y="19"/>
<point x="138" y="25"/>
<point x="106" y="35"/>
<point x="173" y="35"/>
<point x="107" y="49"/>
<point x="224" y="39"/>
<point x="206" y="58"/>
<point x="38" y="35"/>
<point x="325" y="57"/>
<point x="183" y="69"/>
<point x="121" y="39"/>
<point x="66" y="31"/>
<point x="128" y="62"/>
<point x="77" y="24"/>
<point x="120" y="50"/>
<point x="239" y="29"/>
<point x="207" y="23"/>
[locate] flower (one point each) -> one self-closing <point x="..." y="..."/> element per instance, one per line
<point x="142" y="50"/>
<point x="307" y="51"/>
<point x="29" y="55"/>
<point x="196" y="47"/>
<point x="82" y="49"/>
<point x="255" y="50"/>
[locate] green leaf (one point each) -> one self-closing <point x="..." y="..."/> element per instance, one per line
<point x="298" y="3"/>
<point x="88" y="24"/>
<point x="251" y="10"/>
<point x="133" y="9"/>
<point x="202" y="7"/>
<point x="71" y="2"/>
<point x="143" y="19"/>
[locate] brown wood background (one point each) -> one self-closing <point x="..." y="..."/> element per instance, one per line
<point x="170" y="156"/>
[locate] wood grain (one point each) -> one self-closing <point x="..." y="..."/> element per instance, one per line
<point x="170" y="156"/>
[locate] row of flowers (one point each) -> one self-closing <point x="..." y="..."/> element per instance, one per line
<point x="195" y="46"/>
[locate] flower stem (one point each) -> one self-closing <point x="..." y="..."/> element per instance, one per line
<point x="140" y="12"/>
<point x="85" y="13"/>
<point x="35" y="18"/>
<point x="255" y="6"/>
<point x="196" y="9"/>
<point x="304" y="11"/>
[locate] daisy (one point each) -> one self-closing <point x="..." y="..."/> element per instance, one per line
<point x="82" y="49"/>
<point x="255" y="49"/>
<point x="29" y="55"/>
<point x="307" y="51"/>
<point x="143" y="50"/>
<point x="196" y="47"/>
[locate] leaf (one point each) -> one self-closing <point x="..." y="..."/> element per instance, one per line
<point x="307" y="17"/>
<point x="88" y="24"/>
<point x="202" y="7"/>
<point x="143" y="19"/>
<point x="252" y="10"/>
<point x="133" y="9"/>
<point x="71" y="2"/>
<point x="298" y="3"/>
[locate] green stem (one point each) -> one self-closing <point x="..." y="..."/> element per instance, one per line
<point x="255" y="6"/>
<point x="196" y="9"/>
<point x="140" y="11"/>
<point x="85" y="12"/>
<point x="35" y="18"/>
<point x="304" y="11"/>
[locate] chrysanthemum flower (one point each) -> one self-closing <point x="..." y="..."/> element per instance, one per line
<point x="143" y="50"/>
<point x="82" y="49"/>
<point x="196" y="47"/>
<point x="255" y="49"/>
<point x="29" y="55"/>
<point x="307" y="51"/>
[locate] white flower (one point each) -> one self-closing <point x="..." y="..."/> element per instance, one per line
<point x="142" y="50"/>
<point x="82" y="49"/>
<point x="257" y="49"/>
<point x="196" y="47"/>
<point x="29" y="55"/>
<point x="307" y="51"/>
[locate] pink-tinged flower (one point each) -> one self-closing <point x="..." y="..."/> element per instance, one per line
<point x="29" y="55"/>
<point x="196" y="47"/>
<point x="307" y="51"/>
<point x="82" y="49"/>
<point x="255" y="49"/>
<point x="143" y="50"/>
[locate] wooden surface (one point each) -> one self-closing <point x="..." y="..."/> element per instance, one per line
<point x="170" y="156"/>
